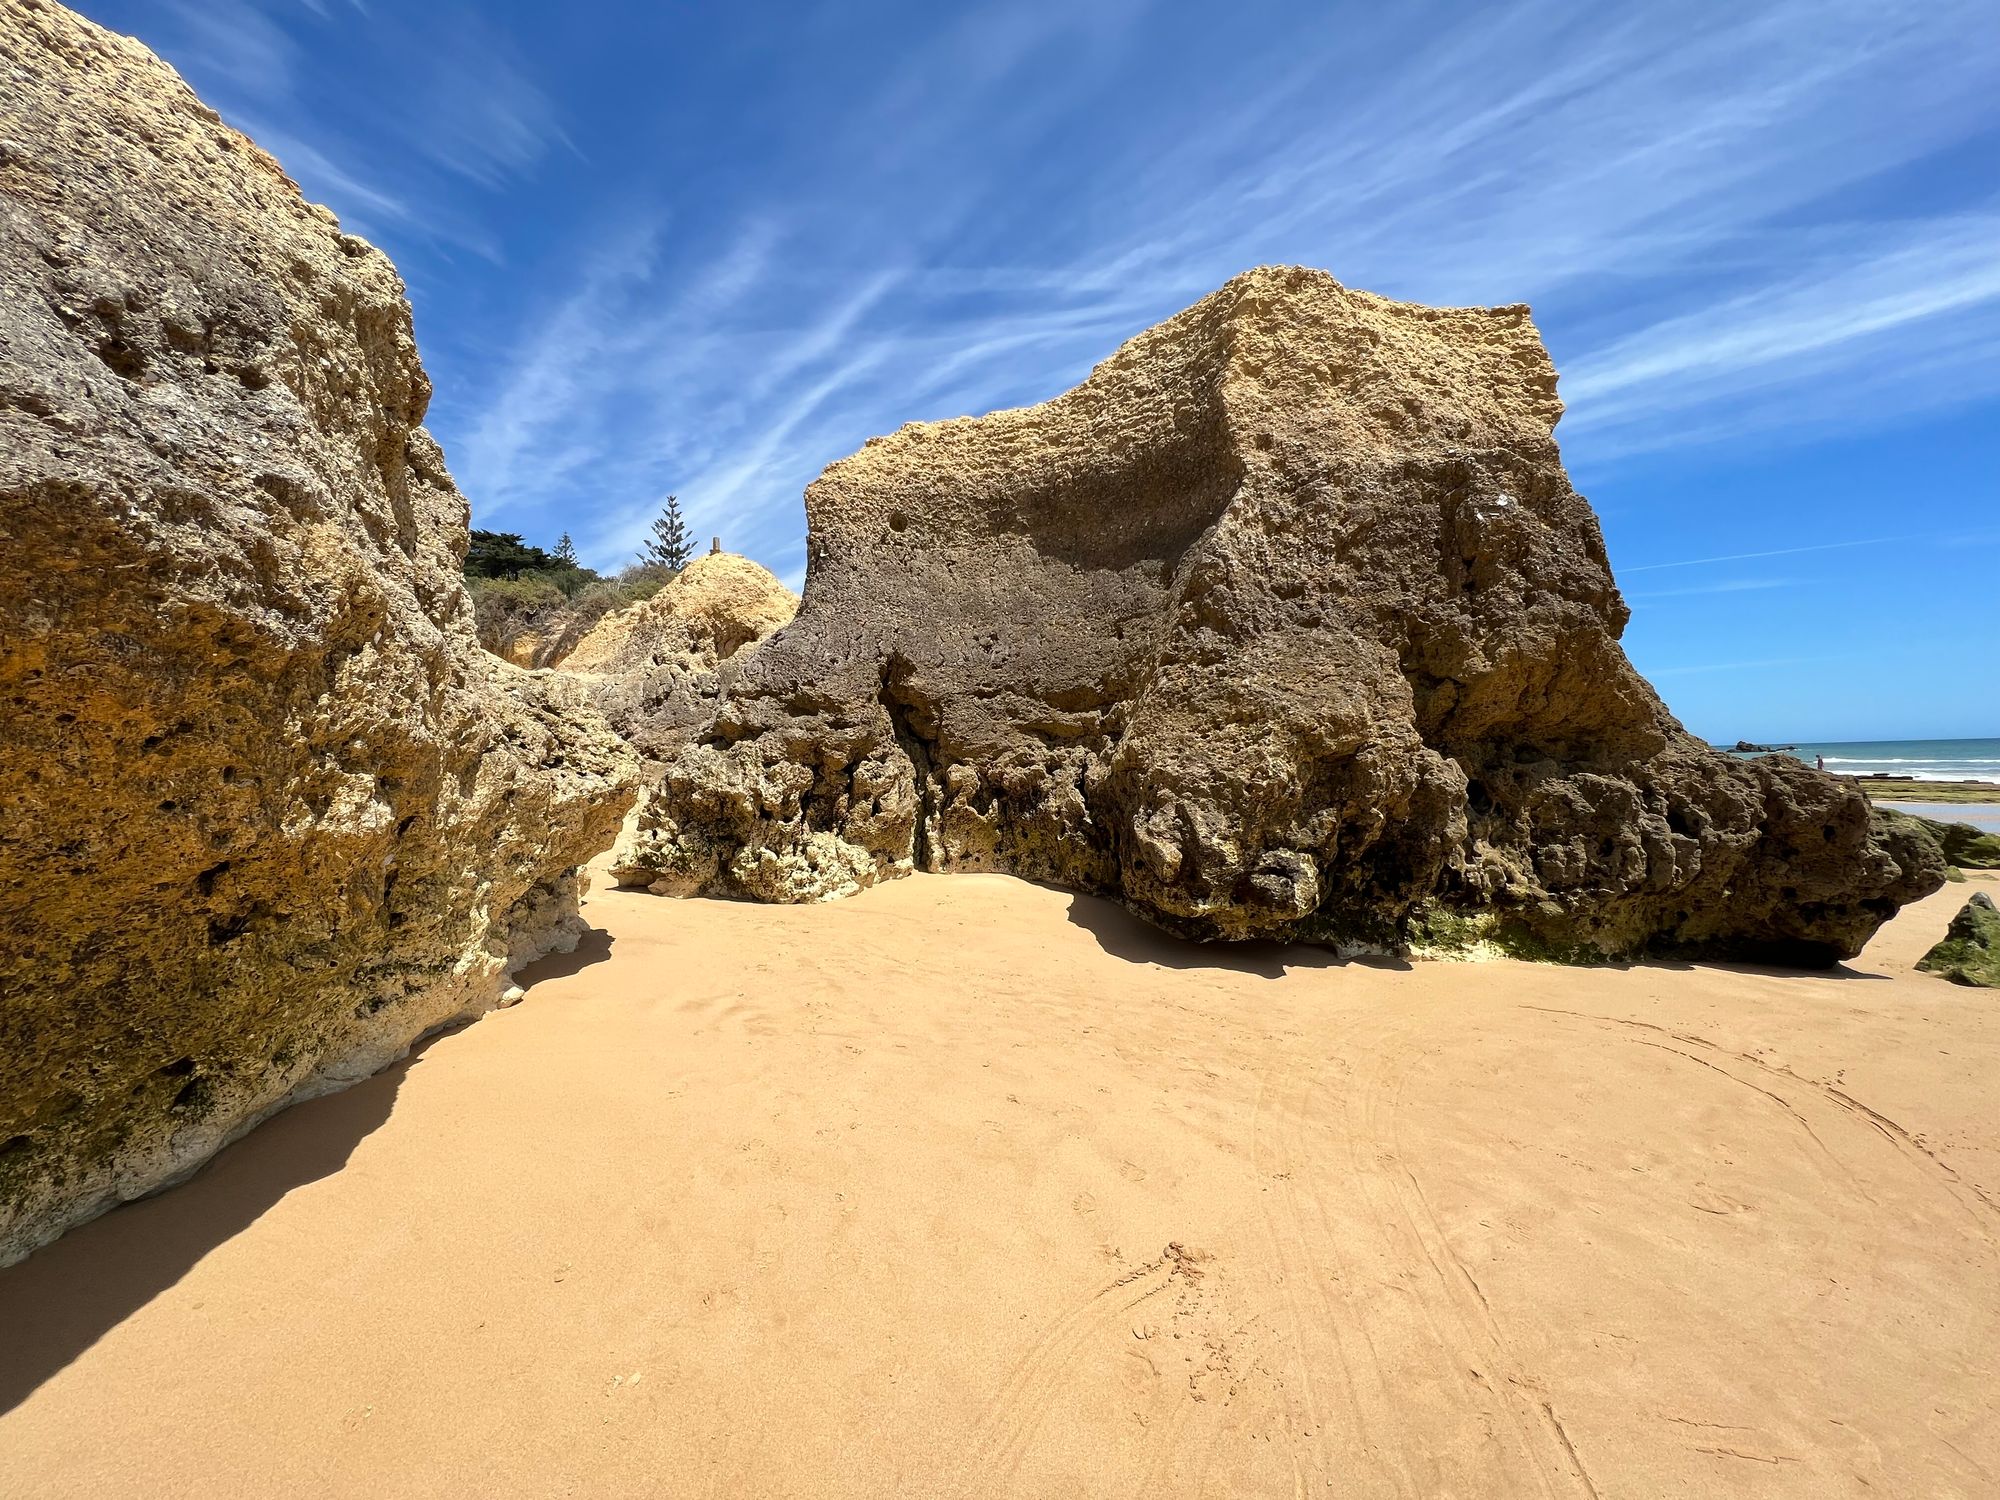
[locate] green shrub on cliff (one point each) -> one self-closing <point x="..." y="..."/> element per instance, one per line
<point x="535" y="616"/>
<point x="643" y="580"/>
<point x="506" y="609"/>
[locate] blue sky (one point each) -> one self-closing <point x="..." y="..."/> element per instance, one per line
<point x="709" y="248"/>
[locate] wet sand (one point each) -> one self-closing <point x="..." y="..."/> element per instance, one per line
<point x="969" y="1187"/>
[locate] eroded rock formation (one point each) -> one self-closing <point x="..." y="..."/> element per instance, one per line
<point x="658" y="668"/>
<point x="267" y="813"/>
<point x="1287" y="623"/>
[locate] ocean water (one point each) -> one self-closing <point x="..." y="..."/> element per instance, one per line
<point x="1924" y="760"/>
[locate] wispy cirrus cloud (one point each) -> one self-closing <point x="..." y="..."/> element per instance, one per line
<point x="482" y="115"/>
<point x="594" y="387"/>
<point x="1685" y="193"/>
<point x="1902" y="651"/>
<point x="1751" y="664"/>
<point x="1733" y="557"/>
<point x="1722" y="586"/>
<point x="1652" y="179"/>
<point x="1905" y="323"/>
<point x="237" y="43"/>
<point x="1954" y="537"/>
<point x="446" y="93"/>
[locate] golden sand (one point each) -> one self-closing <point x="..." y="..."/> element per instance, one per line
<point x="969" y="1187"/>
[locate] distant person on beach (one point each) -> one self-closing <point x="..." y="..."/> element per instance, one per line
<point x="1819" y="762"/>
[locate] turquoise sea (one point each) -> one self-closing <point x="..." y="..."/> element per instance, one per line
<point x="1926" y="760"/>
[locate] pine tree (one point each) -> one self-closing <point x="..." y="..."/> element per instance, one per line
<point x="566" y="550"/>
<point x="669" y="546"/>
<point x="502" y="554"/>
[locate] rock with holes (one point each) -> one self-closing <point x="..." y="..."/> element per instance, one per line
<point x="267" y="813"/>
<point x="1285" y="623"/>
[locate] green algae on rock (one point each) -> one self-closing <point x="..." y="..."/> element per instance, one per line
<point x="1959" y="845"/>
<point x="1966" y="846"/>
<point x="1969" y="953"/>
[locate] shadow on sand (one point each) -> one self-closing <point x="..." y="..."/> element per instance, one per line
<point x="594" y="947"/>
<point x="1125" y="936"/>
<point x="65" y="1297"/>
<point x="1764" y="971"/>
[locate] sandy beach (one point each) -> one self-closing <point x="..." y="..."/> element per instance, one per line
<point x="1116" y="445"/>
<point x="970" y="1187"/>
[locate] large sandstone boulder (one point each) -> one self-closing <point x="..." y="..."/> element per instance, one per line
<point x="658" y="668"/>
<point x="267" y="813"/>
<point x="1285" y="623"/>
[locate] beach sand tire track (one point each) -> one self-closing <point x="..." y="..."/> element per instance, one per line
<point x="1393" y="1310"/>
<point x="1768" y="1079"/>
<point x="1006" y="1427"/>
<point x="1458" y="1312"/>
<point x="1300" y="1255"/>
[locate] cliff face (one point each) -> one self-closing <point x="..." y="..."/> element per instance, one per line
<point x="267" y="813"/>
<point x="1286" y="622"/>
